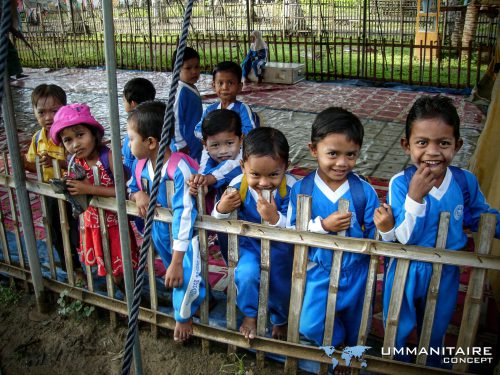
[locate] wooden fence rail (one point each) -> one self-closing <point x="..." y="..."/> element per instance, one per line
<point x="325" y="57"/>
<point x="480" y="260"/>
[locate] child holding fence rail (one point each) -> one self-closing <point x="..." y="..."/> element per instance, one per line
<point x="336" y="139"/>
<point x="81" y="134"/>
<point x="46" y="101"/>
<point x="222" y="138"/>
<point x="264" y="165"/>
<point x="416" y="198"/>
<point x="182" y="258"/>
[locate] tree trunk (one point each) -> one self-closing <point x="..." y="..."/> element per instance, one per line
<point x="470" y="25"/>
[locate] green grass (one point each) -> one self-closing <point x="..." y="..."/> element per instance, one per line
<point x="9" y="295"/>
<point x="322" y="62"/>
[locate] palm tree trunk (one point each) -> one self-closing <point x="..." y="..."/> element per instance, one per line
<point x="470" y="25"/>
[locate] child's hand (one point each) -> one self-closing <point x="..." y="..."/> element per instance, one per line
<point x="45" y="160"/>
<point x="195" y="181"/>
<point x="229" y="202"/>
<point x="267" y="210"/>
<point x="421" y="183"/>
<point x="77" y="187"/>
<point x="142" y="202"/>
<point x="175" y="271"/>
<point x="383" y="218"/>
<point x="337" y="222"/>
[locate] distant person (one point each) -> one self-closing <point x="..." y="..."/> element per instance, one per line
<point x="81" y="134"/>
<point x="227" y="85"/>
<point x="188" y="107"/>
<point x="416" y="198"/>
<point x="256" y="58"/>
<point x="46" y="101"/>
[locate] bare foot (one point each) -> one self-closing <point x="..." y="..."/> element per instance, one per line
<point x="279" y="332"/>
<point x="183" y="331"/>
<point x="249" y="327"/>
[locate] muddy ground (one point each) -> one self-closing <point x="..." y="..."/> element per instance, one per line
<point x="90" y="346"/>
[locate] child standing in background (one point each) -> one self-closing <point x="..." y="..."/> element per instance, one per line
<point x="136" y="91"/>
<point x="416" y="198"/>
<point x="81" y="135"/>
<point x="46" y="101"/>
<point x="227" y="85"/>
<point x="182" y="259"/>
<point x="336" y="139"/>
<point x="264" y="165"/>
<point x="187" y="106"/>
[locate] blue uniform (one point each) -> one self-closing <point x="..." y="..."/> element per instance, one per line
<point x="247" y="123"/>
<point x="187" y="298"/>
<point x="417" y="224"/>
<point x="223" y="172"/>
<point x="247" y="272"/>
<point x="255" y="60"/>
<point x="187" y="113"/>
<point x="128" y="157"/>
<point x="352" y="282"/>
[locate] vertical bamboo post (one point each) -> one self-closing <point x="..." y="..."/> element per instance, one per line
<point x="63" y="215"/>
<point x="472" y="306"/>
<point x="232" y="249"/>
<point x="153" y="296"/>
<point x="298" y="279"/>
<point x="265" y="269"/>
<point x="433" y="291"/>
<point x="333" y="289"/>
<point x="90" y="280"/>
<point x="3" y="234"/>
<point x="46" y="224"/>
<point x="105" y="248"/>
<point x="204" y="313"/>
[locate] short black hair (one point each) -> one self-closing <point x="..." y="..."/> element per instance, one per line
<point x="429" y="107"/>
<point x="338" y="121"/>
<point x="266" y="141"/>
<point x="148" y="118"/>
<point x="230" y="67"/>
<point x="189" y="53"/>
<point x="221" y="120"/>
<point x="139" y="90"/>
<point x="45" y="91"/>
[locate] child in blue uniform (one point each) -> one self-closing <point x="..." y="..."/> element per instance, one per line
<point x="264" y="164"/>
<point x="187" y="106"/>
<point x="336" y="139"/>
<point x="136" y="91"/>
<point x="182" y="260"/>
<point x="417" y="196"/>
<point x="227" y="85"/>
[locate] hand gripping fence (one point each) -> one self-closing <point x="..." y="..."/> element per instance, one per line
<point x="4" y="31"/>
<point x="166" y="135"/>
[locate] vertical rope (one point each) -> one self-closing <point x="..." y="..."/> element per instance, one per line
<point x="166" y="135"/>
<point x="5" y="23"/>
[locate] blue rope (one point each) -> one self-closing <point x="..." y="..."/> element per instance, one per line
<point x="4" y="31"/>
<point x="166" y="135"/>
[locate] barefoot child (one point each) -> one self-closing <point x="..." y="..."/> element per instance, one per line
<point x="264" y="164"/>
<point x="81" y="135"/>
<point x="182" y="260"/>
<point x="336" y="139"/>
<point x="46" y="101"/>
<point x="417" y="196"/>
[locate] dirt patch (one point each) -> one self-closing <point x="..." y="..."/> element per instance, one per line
<point x="90" y="346"/>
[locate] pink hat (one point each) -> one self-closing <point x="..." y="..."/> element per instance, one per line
<point x="70" y="115"/>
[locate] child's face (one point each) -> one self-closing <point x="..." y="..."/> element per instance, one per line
<point x="432" y="144"/>
<point x="139" y="146"/>
<point x="336" y="156"/>
<point x="79" y="141"/>
<point x="129" y="106"/>
<point x="223" y="146"/>
<point x="45" y="110"/>
<point x="190" y="71"/>
<point x="226" y="86"/>
<point x="264" y="172"/>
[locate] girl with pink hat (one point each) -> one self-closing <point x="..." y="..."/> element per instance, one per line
<point x="81" y="134"/>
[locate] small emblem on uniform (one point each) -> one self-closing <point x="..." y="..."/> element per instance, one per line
<point x="459" y="211"/>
